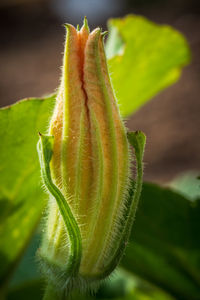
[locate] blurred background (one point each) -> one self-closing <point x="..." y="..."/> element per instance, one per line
<point x="31" y="46"/>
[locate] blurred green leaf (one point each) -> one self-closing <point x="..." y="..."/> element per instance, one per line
<point x="31" y="290"/>
<point x="187" y="184"/>
<point x="21" y="197"/>
<point x="165" y="245"/>
<point x="28" y="267"/>
<point x="144" y="58"/>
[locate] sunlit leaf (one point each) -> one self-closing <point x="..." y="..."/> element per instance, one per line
<point x="21" y="197"/>
<point x="144" y="58"/>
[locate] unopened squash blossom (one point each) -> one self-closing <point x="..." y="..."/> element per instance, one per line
<point x="85" y="164"/>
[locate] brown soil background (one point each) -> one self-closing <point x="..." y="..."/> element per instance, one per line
<point x="31" y="46"/>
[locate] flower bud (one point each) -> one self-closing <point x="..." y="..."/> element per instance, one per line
<point x="89" y="165"/>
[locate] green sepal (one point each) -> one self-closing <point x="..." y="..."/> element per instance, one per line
<point x="137" y="140"/>
<point x="44" y="147"/>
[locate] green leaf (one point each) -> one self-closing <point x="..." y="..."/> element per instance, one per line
<point x="21" y="197"/>
<point x="29" y="268"/>
<point x="188" y="184"/>
<point x="164" y="247"/>
<point x="31" y="290"/>
<point x="144" y="58"/>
